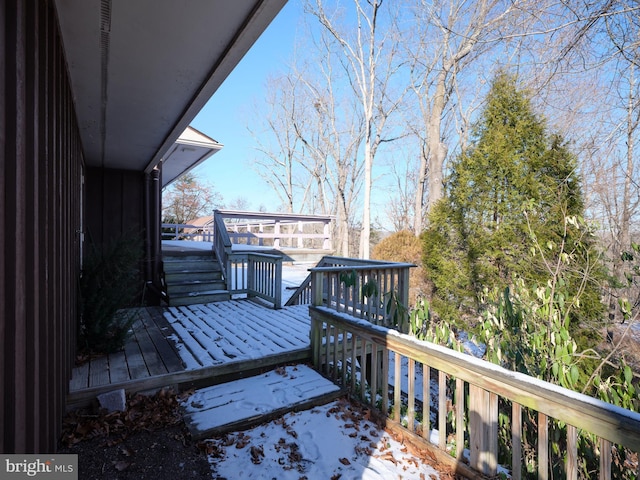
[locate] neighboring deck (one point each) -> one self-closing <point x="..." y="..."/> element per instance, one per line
<point x="196" y="345"/>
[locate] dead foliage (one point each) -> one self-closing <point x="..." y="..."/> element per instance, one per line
<point x="144" y="413"/>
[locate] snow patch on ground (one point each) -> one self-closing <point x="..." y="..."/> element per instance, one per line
<point x="332" y="441"/>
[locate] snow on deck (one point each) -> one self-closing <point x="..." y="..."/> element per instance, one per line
<point x="240" y="403"/>
<point x="215" y="333"/>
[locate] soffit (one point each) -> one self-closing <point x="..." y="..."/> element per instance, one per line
<point x="142" y="69"/>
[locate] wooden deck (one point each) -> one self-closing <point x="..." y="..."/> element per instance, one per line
<point x="196" y="345"/>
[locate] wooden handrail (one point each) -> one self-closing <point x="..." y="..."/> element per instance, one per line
<point x="222" y="244"/>
<point x="378" y="293"/>
<point x="394" y="278"/>
<point x="339" y="343"/>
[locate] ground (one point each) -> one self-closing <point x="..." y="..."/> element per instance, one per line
<point x="150" y="441"/>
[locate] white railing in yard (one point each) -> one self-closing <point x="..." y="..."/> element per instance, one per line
<point x="185" y="231"/>
<point x="472" y="399"/>
<point x="278" y="230"/>
<point x="275" y="230"/>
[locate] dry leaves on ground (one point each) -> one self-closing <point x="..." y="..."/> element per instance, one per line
<point x="144" y="412"/>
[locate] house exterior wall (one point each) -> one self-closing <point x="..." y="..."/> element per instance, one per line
<point x="115" y="204"/>
<point x="40" y="208"/>
<point x="115" y="207"/>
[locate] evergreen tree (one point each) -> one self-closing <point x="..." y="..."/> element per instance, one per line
<point x="511" y="191"/>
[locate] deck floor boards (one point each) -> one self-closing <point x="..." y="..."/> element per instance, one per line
<point x="99" y="371"/>
<point x="179" y="345"/>
<point x="118" y="369"/>
<point x="155" y="324"/>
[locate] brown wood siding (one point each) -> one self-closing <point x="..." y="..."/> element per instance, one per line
<point x="115" y="204"/>
<point x="40" y="171"/>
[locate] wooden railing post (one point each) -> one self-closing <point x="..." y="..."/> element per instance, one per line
<point x="276" y="234"/>
<point x="300" y="230"/>
<point x="277" y="284"/>
<point x="543" y="446"/>
<point x="317" y="280"/>
<point x="516" y="441"/>
<point x="483" y="430"/>
<point x="326" y="243"/>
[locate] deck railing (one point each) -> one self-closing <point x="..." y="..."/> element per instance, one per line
<point x="455" y="403"/>
<point x="275" y="230"/>
<point x="371" y="289"/>
<point x="278" y="230"/>
<point x="256" y="275"/>
<point x="252" y="273"/>
<point x="185" y="231"/>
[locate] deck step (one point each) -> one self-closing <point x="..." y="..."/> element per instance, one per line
<point x="193" y="277"/>
<point x="188" y="276"/>
<point x="247" y="402"/>
<point x="207" y="296"/>
<point x="176" y="289"/>
<point x="204" y="265"/>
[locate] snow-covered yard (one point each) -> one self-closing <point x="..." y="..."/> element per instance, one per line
<point x="329" y="442"/>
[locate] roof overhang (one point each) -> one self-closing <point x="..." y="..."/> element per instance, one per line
<point x="190" y="150"/>
<point x="142" y="69"/>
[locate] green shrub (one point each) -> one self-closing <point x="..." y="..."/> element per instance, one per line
<point x="109" y="282"/>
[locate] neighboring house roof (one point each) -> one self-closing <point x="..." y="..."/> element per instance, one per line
<point x="141" y="70"/>
<point x="190" y="150"/>
<point x="199" y="222"/>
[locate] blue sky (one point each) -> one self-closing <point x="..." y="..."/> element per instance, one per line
<point x="226" y="116"/>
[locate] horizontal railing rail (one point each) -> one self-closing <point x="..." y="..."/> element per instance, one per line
<point x="398" y="375"/>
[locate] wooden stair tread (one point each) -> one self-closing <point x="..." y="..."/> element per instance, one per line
<point x="247" y="402"/>
<point x="193" y="277"/>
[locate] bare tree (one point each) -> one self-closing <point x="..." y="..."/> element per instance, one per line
<point x="187" y="199"/>
<point x="400" y="202"/>
<point x="277" y="164"/>
<point x="369" y="53"/>
<point x="313" y="160"/>
<point x="449" y="35"/>
<point x="331" y="142"/>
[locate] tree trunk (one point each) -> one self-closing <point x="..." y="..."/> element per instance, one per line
<point x="419" y="199"/>
<point x="365" y="235"/>
<point x="437" y="149"/>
